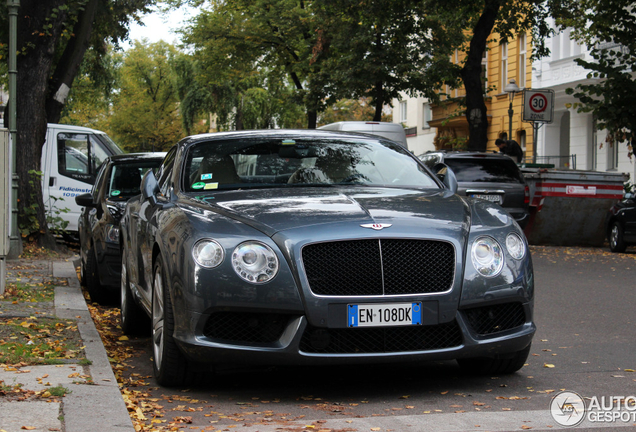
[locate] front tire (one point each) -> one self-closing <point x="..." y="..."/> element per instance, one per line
<point x="134" y="320"/>
<point x="616" y="238"/>
<point x="495" y="366"/>
<point x="170" y="366"/>
<point x="91" y="279"/>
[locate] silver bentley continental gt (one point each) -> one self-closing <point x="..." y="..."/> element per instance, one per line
<point x="318" y="247"/>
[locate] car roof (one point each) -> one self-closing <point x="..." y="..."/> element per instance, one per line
<point x="273" y="133"/>
<point x="130" y="157"/>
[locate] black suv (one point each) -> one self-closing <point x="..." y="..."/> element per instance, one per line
<point x="489" y="176"/>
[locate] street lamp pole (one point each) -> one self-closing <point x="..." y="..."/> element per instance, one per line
<point x="511" y="88"/>
<point x="15" y="242"/>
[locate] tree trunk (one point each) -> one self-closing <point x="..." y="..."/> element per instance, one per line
<point x="34" y="69"/>
<point x="476" y="113"/>
<point x="379" y="101"/>
<point x="312" y="119"/>
<point x="69" y="63"/>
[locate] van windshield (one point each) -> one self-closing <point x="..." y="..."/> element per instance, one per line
<point x="108" y="142"/>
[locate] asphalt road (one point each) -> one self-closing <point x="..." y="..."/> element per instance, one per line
<point x="585" y="310"/>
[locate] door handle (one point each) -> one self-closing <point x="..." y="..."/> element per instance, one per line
<point x="51" y="181"/>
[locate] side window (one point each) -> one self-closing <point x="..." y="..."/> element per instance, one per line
<point x="73" y="156"/>
<point x="165" y="170"/>
<point x="80" y="156"/>
<point x="98" y="181"/>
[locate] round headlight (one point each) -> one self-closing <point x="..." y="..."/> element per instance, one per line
<point x="255" y="262"/>
<point x="487" y="256"/>
<point x="208" y="253"/>
<point x="516" y="247"/>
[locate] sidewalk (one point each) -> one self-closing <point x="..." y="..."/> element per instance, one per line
<point x="97" y="406"/>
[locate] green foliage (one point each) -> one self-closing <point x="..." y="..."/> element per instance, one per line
<point x="145" y="110"/>
<point x="350" y="110"/>
<point x="29" y="223"/>
<point x="609" y="27"/>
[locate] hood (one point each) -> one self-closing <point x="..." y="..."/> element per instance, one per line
<point x="278" y="210"/>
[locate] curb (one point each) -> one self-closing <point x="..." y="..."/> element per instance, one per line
<point x="89" y="405"/>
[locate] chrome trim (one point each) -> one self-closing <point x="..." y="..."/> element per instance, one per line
<point x="485" y="191"/>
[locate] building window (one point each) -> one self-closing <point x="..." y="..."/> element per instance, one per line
<point x="522" y="60"/>
<point x="503" y="50"/>
<point x="426" y="115"/>
<point x="402" y="111"/>
<point x="556" y="47"/>
<point x="484" y="72"/>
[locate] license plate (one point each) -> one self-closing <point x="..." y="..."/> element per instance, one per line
<point x="384" y="314"/>
<point x="497" y="199"/>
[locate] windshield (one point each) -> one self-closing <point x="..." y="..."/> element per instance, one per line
<point x="125" y="179"/>
<point x="277" y="162"/>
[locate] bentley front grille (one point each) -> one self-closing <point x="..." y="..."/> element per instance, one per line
<point x="488" y="320"/>
<point x="380" y="339"/>
<point x="234" y="327"/>
<point x="379" y="267"/>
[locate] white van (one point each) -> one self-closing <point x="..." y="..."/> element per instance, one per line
<point x="392" y="131"/>
<point x="71" y="156"/>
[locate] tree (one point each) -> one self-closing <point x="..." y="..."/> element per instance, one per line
<point x="350" y="110"/>
<point x="480" y="20"/>
<point x="52" y="39"/>
<point x="609" y="27"/>
<point x="145" y="110"/>
<point x="380" y="48"/>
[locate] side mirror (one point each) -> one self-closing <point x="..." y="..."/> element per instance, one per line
<point x="447" y="176"/>
<point x="85" y="200"/>
<point x="149" y="187"/>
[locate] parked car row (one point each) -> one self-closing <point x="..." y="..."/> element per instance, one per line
<point x="117" y="180"/>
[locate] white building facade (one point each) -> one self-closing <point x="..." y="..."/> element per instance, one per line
<point x="572" y="138"/>
<point x="414" y="113"/>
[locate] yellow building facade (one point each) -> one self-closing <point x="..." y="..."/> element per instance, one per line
<point x="501" y="63"/>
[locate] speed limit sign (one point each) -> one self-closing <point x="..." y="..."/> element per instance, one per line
<point x="538" y="105"/>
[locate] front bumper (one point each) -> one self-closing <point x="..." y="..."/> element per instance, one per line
<point x="486" y="331"/>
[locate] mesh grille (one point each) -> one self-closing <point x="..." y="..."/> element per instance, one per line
<point x="493" y="319"/>
<point x="379" y="267"/>
<point x="246" y="327"/>
<point x="380" y="340"/>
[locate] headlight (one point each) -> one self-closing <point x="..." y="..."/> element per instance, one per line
<point x="112" y="234"/>
<point x="208" y="253"/>
<point x="487" y="256"/>
<point x="255" y="262"/>
<point x="516" y="247"/>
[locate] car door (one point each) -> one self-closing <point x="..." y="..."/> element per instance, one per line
<point x="144" y="217"/>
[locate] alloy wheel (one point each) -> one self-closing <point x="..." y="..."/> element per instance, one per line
<point x="157" y="318"/>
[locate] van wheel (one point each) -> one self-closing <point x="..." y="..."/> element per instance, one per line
<point x="91" y="279"/>
<point x="495" y="366"/>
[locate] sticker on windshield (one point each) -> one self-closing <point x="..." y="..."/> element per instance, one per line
<point x="289" y="142"/>
<point x="206" y="176"/>
<point x="114" y="193"/>
<point x="198" y="185"/>
<point x="211" y="186"/>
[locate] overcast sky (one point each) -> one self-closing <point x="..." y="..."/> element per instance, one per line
<point x="160" y="26"/>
